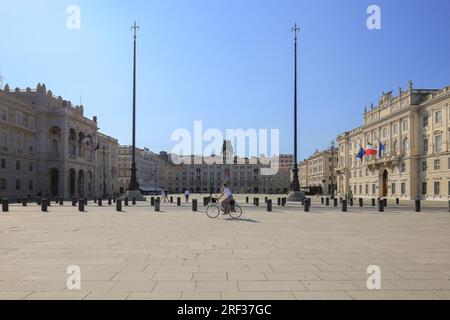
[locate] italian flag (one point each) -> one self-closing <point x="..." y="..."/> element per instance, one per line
<point x="371" y="150"/>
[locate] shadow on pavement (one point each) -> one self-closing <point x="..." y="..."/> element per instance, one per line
<point x="242" y="220"/>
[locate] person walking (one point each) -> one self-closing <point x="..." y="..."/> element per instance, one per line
<point x="166" y="198"/>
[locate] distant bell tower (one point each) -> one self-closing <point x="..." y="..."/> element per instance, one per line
<point x="227" y="152"/>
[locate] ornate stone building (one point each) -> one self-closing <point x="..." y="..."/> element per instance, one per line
<point x="243" y="175"/>
<point x="317" y="172"/>
<point x="415" y="127"/>
<point x="151" y="169"/>
<point x="48" y="147"/>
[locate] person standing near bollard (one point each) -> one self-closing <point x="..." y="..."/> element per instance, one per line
<point x="186" y="195"/>
<point x="166" y="198"/>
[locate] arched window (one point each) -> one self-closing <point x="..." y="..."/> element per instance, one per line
<point x="54" y="146"/>
<point x="72" y="143"/>
<point x="395" y="148"/>
<point x="405" y="146"/>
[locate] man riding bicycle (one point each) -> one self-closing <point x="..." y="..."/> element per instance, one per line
<point x="228" y="197"/>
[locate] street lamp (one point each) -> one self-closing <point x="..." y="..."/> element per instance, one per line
<point x="333" y="150"/>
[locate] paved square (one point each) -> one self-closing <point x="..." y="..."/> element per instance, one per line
<point x="179" y="254"/>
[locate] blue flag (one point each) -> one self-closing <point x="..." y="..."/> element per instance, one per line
<point x="361" y="154"/>
<point x="381" y="148"/>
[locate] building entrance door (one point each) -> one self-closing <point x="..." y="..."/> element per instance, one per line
<point x="385" y="184"/>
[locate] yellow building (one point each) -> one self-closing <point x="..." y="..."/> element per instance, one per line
<point x="414" y="126"/>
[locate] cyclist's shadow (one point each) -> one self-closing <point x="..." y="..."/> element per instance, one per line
<point x="242" y="220"/>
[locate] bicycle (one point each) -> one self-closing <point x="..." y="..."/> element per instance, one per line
<point x="214" y="209"/>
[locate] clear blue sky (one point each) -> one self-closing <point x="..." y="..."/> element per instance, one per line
<point x="201" y="59"/>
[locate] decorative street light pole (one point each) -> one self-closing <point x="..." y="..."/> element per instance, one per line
<point x="134" y="186"/>
<point x="295" y="194"/>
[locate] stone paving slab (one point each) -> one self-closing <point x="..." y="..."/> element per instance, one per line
<point x="179" y="254"/>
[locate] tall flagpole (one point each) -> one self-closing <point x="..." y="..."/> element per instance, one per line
<point x="295" y="194"/>
<point x="295" y="183"/>
<point x="134" y="186"/>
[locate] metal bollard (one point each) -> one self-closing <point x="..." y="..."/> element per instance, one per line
<point x="114" y="200"/>
<point x="44" y="207"/>
<point x="24" y="202"/>
<point x="418" y="208"/>
<point x="361" y="202"/>
<point x="81" y="204"/>
<point x="178" y="202"/>
<point x="194" y="205"/>
<point x="344" y="205"/>
<point x="283" y="202"/>
<point x="109" y="201"/>
<point x="246" y="199"/>
<point x="126" y="202"/>
<point x="397" y="201"/>
<point x="351" y="202"/>
<point x="307" y="205"/>
<point x="38" y="201"/>
<point x="95" y="200"/>
<point x="322" y="200"/>
<point x="100" y="202"/>
<point x="380" y="206"/>
<point x="152" y="201"/>
<point x="335" y="202"/>
<point x="119" y="205"/>
<point x="327" y="202"/>
<point x="171" y="199"/>
<point x="256" y="200"/>
<point x="269" y="205"/>
<point x="157" y="205"/>
<point x="61" y="201"/>
<point x="373" y="203"/>
<point x="385" y="202"/>
<point x="5" y="205"/>
<point x="133" y="201"/>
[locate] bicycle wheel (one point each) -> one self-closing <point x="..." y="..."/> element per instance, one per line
<point x="236" y="212"/>
<point x="212" y="211"/>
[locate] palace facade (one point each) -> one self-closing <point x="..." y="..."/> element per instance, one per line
<point x="414" y="126"/>
<point x="48" y="147"/>
<point x="242" y="174"/>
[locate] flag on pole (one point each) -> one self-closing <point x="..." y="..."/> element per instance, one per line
<point x="371" y="150"/>
<point x="86" y="141"/>
<point x="381" y="148"/>
<point x="361" y="154"/>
